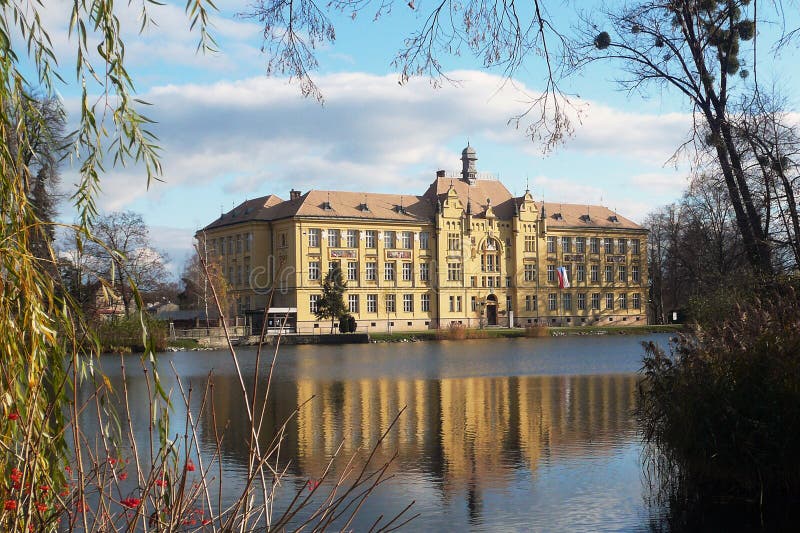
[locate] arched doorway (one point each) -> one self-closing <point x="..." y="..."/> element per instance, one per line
<point x="491" y="310"/>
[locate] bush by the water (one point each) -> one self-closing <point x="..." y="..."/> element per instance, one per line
<point x="125" y="334"/>
<point x="537" y="331"/>
<point x="721" y="412"/>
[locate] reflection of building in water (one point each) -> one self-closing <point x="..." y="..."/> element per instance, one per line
<point x="472" y="431"/>
<point x="469" y="434"/>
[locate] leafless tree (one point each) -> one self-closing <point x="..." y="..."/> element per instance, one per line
<point x="694" y="47"/>
<point x="124" y="256"/>
<point x="502" y="35"/>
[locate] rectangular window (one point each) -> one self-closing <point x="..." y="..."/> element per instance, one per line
<point x="530" y="243"/>
<point x="424" y="272"/>
<point x="458" y="304"/>
<point x="425" y="303"/>
<point x="552" y="301"/>
<point x="452" y="304"/>
<point x="580" y="245"/>
<point x="530" y="272"/>
<point x="528" y="306"/>
<point x="473" y="281"/>
<point x="372" y="303"/>
<point x="334" y="264"/>
<point x="230" y="275"/>
<point x="333" y="238"/>
<point x="489" y="263"/>
<point x="247" y="271"/>
<point x="580" y="274"/>
<point x="248" y="241"/>
<point x="581" y="301"/>
<point x="239" y="243"/>
<point x="369" y="238"/>
<point x="313" y="270"/>
<point x="622" y="246"/>
<point x="453" y="271"/>
<point x="551" y="245"/>
<point x="474" y="303"/>
<point x="608" y="245"/>
<point x="637" y="301"/>
<point x="623" y="301"/>
<point x="596" y="300"/>
<point x="622" y="273"/>
<point x="551" y="272"/>
<point x="388" y="239"/>
<point x="566" y="245"/>
<point x="609" y="274"/>
<point x="566" y="301"/>
<point x="313" y="301"/>
<point x="509" y="303"/>
<point x="408" y="303"/>
<point x="609" y="300"/>
<point x="595" y="273"/>
<point x="406" y="238"/>
<point x="390" y="303"/>
<point x="352" y="303"/>
<point x="282" y="241"/>
<point x="424" y="240"/>
<point x="453" y="241"/>
<point x="388" y="271"/>
<point x="313" y="238"/>
<point x="407" y="271"/>
<point x="370" y="272"/>
<point x="594" y="245"/>
<point x="230" y="245"/>
<point x="352" y="270"/>
<point x="351" y="238"/>
<point x="635" y="273"/>
<point x="635" y="246"/>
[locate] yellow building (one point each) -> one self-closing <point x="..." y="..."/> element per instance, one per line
<point x="466" y="251"/>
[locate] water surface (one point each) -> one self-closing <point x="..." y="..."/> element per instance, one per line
<point x="497" y="435"/>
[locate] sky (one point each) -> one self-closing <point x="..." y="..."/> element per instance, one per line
<point x="229" y="132"/>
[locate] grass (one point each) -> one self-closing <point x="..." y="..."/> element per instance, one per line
<point x="186" y="344"/>
<point x="510" y="333"/>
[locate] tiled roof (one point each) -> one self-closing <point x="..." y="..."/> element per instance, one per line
<point x="402" y="207"/>
<point x="584" y="216"/>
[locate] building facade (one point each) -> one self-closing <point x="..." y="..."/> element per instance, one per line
<point x="464" y="252"/>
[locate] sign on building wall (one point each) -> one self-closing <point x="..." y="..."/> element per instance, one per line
<point x="344" y="254"/>
<point x="398" y="254"/>
<point x="615" y="259"/>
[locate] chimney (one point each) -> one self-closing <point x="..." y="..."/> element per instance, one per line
<point x="440" y="173"/>
<point x="294" y="195"/>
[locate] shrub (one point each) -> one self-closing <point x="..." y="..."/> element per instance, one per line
<point x="537" y="331"/>
<point x="126" y="333"/>
<point x="721" y="412"/>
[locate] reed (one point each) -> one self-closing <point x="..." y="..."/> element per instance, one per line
<point x="720" y="413"/>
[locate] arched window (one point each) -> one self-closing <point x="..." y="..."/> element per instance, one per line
<point x="490" y="256"/>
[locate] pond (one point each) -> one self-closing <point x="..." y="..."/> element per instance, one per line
<point x="497" y="434"/>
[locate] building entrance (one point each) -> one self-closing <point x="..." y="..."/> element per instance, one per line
<point x="491" y="310"/>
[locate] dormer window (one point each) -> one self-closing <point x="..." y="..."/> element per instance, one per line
<point x="364" y="207"/>
<point x="326" y="206"/>
<point x="400" y="209"/>
<point x="613" y="218"/>
<point x="557" y="216"/>
<point x="586" y="218"/>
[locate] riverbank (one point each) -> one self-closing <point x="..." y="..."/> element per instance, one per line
<point x="507" y="333"/>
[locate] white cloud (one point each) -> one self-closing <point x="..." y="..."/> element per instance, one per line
<point x="671" y="184"/>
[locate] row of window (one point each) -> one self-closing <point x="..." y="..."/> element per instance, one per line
<point x="390" y="303"/>
<point x="239" y="275"/>
<point x="580" y="245"/>
<point x="594" y="273"/>
<point x="612" y="301"/>
<point x="455" y="272"/>
<point x="349" y="238"/>
<point x="371" y="270"/>
<point x="232" y="244"/>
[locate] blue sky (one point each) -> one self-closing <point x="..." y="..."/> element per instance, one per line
<point x="230" y="133"/>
